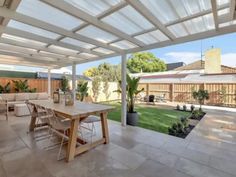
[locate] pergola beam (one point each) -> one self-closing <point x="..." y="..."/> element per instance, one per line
<point x="23" y="34"/>
<point x="30" y="58"/>
<point x="70" y="9"/>
<point x="138" y="6"/>
<point x="215" y="15"/>
<point x="55" y="29"/>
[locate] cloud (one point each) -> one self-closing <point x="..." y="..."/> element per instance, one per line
<point x="228" y="59"/>
<point x="186" y="57"/>
<point x="62" y="70"/>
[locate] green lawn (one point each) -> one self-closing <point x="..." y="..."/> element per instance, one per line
<point x="153" y="118"/>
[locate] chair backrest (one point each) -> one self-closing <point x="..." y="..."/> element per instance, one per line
<point x="54" y="120"/>
<point x="30" y="107"/>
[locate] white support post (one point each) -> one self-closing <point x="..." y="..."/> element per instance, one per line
<point x="74" y="81"/>
<point x="49" y="82"/>
<point x="123" y="87"/>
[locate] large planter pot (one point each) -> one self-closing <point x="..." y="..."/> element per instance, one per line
<point x="132" y="118"/>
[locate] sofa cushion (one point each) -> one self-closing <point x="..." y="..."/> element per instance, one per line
<point x="33" y="96"/>
<point x="8" y="96"/>
<point x="22" y="96"/>
<point x="42" y="96"/>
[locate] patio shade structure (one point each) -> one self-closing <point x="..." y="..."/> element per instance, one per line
<point x="59" y="33"/>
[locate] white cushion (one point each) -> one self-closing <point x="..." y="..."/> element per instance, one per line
<point x="22" y="96"/>
<point x="33" y="96"/>
<point x="42" y="96"/>
<point x="21" y="110"/>
<point x="8" y="96"/>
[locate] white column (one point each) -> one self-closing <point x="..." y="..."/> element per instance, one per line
<point x="123" y="87"/>
<point x="49" y="82"/>
<point x="74" y="80"/>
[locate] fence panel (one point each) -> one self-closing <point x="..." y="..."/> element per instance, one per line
<point x="40" y="84"/>
<point x="221" y="94"/>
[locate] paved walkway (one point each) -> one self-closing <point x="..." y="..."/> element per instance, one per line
<point x="209" y="151"/>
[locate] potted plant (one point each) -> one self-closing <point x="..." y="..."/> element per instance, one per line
<point x="200" y="96"/>
<point x="132" y="91"/>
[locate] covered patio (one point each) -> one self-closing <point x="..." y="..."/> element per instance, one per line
<point x="60" y="33"/>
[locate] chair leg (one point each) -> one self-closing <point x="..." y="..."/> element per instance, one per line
<point x="59" y="153"/>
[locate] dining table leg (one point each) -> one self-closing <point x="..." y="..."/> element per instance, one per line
<point x="105" y="132"/>
<point x="70" y="154"/>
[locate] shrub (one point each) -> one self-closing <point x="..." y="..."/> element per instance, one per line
<point x="179" y="129"/>
<point x="196" y="114"/>
<point x="192" y="108"/>
<point x="184" y="107"/>
<point x="200" y="96"/>
<point x="178" y="107"/>
<point x="6" y="88"/>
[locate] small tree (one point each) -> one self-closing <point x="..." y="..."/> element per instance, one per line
<point x="82" y="89"/>
<point x="200" y="96"/>
<point x="96" y="87"/>
<point x="64" y="84"/>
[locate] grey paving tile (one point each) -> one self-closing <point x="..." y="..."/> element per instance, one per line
<point x="152" y="168"/>
<point x="127" y="157"/>
<point x="156" y="154"/>
<point x="198" y="170"/>
<point x="22" y="163"/>
<point x="225" y="165"/>
<point x="8" y="145"/>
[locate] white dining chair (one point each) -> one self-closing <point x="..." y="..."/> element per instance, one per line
<point x="41" y="117"/>
<point x="60" y="127"/>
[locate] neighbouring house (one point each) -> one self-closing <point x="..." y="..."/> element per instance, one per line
<point x="208" y="71"/>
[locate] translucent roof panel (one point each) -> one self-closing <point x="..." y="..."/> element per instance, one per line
<point x="102" y="50"/>
<point x="24" y="40"/>
<point x="178" y="30"/>
<point x="200" y="24"/>
<point x="222" y="2"/>
<point x="49" y="54"/>
<point x="32" y="29"/>
<point x="86" y="55"/>
<point x="128" y="20"/>
<point x="49" y="14"/>
<point x="223" y="12"/>
<point x="152" y="37"/>
<point x="97" y="34"/>
<point x="124" y="45"/>
<point x="77" y="43"/>
<point x="93" y="8"/>
<point x="63" y="50"/>
<point x="171" y="10"/>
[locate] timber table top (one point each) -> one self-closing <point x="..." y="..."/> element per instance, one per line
<point x="79" y="109"/>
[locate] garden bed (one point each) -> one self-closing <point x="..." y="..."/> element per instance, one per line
<point x="187" y="124"/>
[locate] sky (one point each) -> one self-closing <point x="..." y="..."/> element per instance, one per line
<point x="186" y="52"/>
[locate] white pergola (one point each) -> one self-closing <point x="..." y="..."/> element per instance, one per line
<point x="59" y="33"/>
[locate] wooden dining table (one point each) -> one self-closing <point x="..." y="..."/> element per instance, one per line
<point x="76" y="113"/>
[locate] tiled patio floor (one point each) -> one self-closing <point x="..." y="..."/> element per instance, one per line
<point x="209" y="151"/>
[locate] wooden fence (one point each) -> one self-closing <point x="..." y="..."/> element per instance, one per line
<point x="40" y="84"/>
<point x="221" y="94"/>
